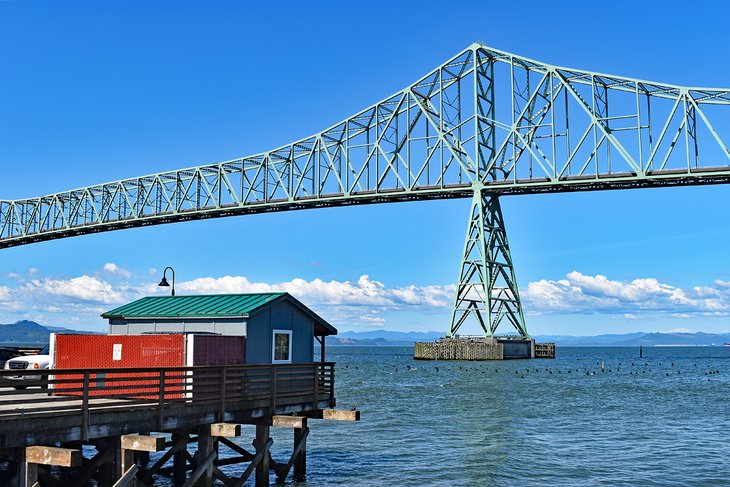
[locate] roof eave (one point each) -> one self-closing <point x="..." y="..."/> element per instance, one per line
<point x="188" y="317"/>
<point x="318" y="320"/>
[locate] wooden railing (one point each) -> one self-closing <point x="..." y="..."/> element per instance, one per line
<point x="222" y="388"/>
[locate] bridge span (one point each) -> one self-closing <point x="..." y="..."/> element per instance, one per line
<point x="483" y="124"/>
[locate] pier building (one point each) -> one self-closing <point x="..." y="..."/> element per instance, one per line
<point x="270" y="322"/>
<point x="101" y="423"/>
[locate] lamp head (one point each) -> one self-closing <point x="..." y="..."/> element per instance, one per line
<point x="164" y="282"/>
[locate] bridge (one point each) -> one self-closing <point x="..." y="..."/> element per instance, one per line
<point x="485" y="123"/>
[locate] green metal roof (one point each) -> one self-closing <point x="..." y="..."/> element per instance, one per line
<point x="210" y="306"/>
<point x="207" y="305"/>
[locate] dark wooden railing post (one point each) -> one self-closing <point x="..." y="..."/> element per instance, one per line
<point x="332" y="385"/>
<point x="244" y="385"/>
<point x="85" y="408"/>
<point x="224" y="377"/>
<point x="161" y="399"/>
<point x="315" y="406"/>
<point x="273" y="386"/>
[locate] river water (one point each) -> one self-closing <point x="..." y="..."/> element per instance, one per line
<point x="592" y="416"/>
<point x="660" y="420"/>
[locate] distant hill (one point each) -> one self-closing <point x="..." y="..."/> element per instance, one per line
<point x="590" y="341"/>
<point x="24" y="332"/>
<point x="677" y="339"/>
<point x="27" y="332"/>
<point x="640" y="339"/>
<point x="397" y="338"/>
<point x="383" y="338"/>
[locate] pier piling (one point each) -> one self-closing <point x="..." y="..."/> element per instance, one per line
<point x="262" y="445"/>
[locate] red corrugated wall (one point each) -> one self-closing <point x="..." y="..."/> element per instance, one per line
<point x="121" y="351"/>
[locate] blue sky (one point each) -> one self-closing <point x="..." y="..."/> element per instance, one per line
<point x="94" y="92"/>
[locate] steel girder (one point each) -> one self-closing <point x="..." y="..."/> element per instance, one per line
<point x="486" y="291"/>
<point x="485" y="116"/>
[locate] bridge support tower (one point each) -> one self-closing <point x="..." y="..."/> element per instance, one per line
<point x="487" y="289"/>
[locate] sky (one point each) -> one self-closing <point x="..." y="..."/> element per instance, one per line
<point x="98" y="91"/>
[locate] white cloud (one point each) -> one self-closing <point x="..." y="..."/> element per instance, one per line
<point x="364" y="302"/>
<point x="112" y="268"/>
<point x="358" y="303"/>
<point x="84" y="288"/>
<point x="584" y="294"/>
<point x="364" y="292"/>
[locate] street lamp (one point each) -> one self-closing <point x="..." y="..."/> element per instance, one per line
<point x="164" y="282"/>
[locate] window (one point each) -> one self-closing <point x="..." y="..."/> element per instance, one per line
<point x="282" y="347"/>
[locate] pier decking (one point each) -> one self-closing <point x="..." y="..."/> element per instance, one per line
<point x="102" y="407"/>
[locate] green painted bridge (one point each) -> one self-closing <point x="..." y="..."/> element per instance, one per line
<point x="483" y="124"/>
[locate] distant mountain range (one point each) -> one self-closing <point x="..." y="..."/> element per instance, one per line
<point x="640" y="338"/>
<point x="29" y="332"/>
<point x="394" y="338"/>
<point x="383" y="337"/>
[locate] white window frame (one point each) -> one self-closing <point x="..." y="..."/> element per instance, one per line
<point x="273" y="346"/>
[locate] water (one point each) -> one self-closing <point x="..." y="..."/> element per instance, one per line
<point x="660" y="420"/>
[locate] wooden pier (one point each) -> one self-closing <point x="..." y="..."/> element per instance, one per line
<point x="126" y="414"/>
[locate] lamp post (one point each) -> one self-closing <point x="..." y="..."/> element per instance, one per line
<point x="164" y="282"/>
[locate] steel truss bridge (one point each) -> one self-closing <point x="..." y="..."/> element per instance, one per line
<point x="485" y="123"/>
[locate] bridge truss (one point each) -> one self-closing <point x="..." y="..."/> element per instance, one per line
<point x="484" y="124"/>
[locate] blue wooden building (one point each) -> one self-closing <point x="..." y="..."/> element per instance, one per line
<point x="278" y="328"/>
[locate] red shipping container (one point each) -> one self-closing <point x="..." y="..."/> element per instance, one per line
<point x="140" y="351"/>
